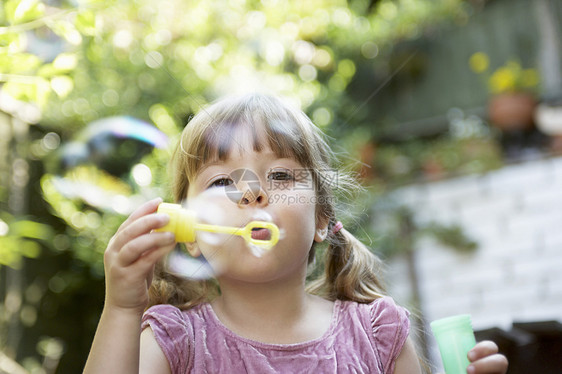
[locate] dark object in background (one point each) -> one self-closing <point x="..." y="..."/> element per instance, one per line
<point x="530" y="347"/>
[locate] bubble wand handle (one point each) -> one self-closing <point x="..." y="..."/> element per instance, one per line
<point x="183" y="223"/>
<point x="246" y="232"/>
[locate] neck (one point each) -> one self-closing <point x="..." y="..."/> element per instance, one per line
<point x="248" y="302"/>
<point x="277" y="312"/>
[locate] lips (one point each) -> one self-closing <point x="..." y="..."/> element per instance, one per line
<point x="260" y="234"/>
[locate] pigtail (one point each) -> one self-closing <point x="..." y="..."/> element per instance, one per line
<point x="351" y="271"/>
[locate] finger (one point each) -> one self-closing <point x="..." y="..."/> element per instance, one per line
<point x="146" y="208"/>
<point x="482" y="349"/>
<point x="145" y="264"/>
<point x="142" y="245"/>
<point x="141" y="226"/>
<point x="494" y="364"/>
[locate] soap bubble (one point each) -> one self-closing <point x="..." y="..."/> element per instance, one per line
<point x="256" y="250"/>
<point x="183" y="265"/>
<point x="214" y="207"/>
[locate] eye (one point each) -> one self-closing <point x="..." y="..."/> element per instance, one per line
<point x="221" y="182"/>
<point x="280" y="175"/>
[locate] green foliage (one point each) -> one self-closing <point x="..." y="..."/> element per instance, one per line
<point x="132" y="55"/>
<point x="399" y="164"/>
<point x="453" y="237"/>
<point x="17" y="11"/>
<point x="397" y="231"/>
<point x="21" y="238"/>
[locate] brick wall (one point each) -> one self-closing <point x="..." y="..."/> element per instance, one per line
<point x="515" y="275"/>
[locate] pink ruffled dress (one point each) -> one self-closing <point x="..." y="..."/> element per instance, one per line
<point x="362" y="338"/>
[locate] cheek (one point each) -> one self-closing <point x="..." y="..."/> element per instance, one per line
<point x="213" y="206"/>
<point x="298" y="211"/>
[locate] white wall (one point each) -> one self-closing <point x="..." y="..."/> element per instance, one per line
<point x="515" y="275"/>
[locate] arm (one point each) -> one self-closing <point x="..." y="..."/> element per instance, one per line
<point x="115" y="348"/>
<point x="152" y="360"/>
<point x="129" y="264"/>
<point x="407" y="361"/>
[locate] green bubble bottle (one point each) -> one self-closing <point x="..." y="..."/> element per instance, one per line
<point x="455" y="339"/>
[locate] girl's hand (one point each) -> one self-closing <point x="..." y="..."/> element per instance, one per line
<point x="485" y="359"/>
<point x="131" y="255"/>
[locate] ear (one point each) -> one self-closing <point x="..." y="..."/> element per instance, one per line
<point x="321" y="230"/>
<point x="193" y="249"/>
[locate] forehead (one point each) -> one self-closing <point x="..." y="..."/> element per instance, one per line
<point x="234" y="139"/>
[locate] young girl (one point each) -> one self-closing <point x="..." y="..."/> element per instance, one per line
<point x="257" y="315"/>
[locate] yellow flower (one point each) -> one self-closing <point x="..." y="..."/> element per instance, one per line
<point x="529" y="78"/>
<point x="479" y="62"/>
<point x="502" y="80"/>
<point x="507" y="78"/>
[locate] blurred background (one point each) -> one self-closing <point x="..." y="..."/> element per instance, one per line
<point x="449" y="111"/>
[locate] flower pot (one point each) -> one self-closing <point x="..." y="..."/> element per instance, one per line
<point x="512" y="111"/>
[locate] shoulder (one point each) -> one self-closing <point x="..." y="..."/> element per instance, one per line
<point x="387" y="325"/>
<point x="169" y="314"/>
<point x="380" y="312"/>
<point x="161" y="311"/>
<point x="164" y="318"/>
<point x="384" y="311"/>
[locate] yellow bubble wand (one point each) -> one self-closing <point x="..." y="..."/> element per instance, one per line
<point x="183" y="223"/>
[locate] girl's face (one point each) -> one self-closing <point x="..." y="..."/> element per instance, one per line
<point x="271" y="188"/>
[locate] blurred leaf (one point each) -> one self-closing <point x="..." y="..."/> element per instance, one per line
<point x="8" y="250"/>
<point x="30" y="248"/>
<point x="19" y="11"/>
<point x="19" y="63"/>
<point x="47" y="71"/>
<point x="65" y="62"/>
<point x="12" y="248"/>
<point x="33" y="89"/>
<point x="31" y="229"/>
<point x="86" y="22"/>
<point x="20" y="91"/>
<point x="62" y="85"/>
<point x="42" y="93"/>
<point x="66" y="29"/>
<point x="162" y="118"/>
<point x="453" y="237"/>
<point x="8" y="38"/>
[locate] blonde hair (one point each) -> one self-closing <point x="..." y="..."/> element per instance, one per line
<point x="351" y="271"/>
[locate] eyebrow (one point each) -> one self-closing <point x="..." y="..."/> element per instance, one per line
<point x="268" y="154"/>
<point x="207" y="165"/>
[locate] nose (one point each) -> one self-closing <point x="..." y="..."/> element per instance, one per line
<point x="253" y="193"/>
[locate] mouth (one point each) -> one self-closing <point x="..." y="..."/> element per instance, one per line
<point x="259" y="233"/>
